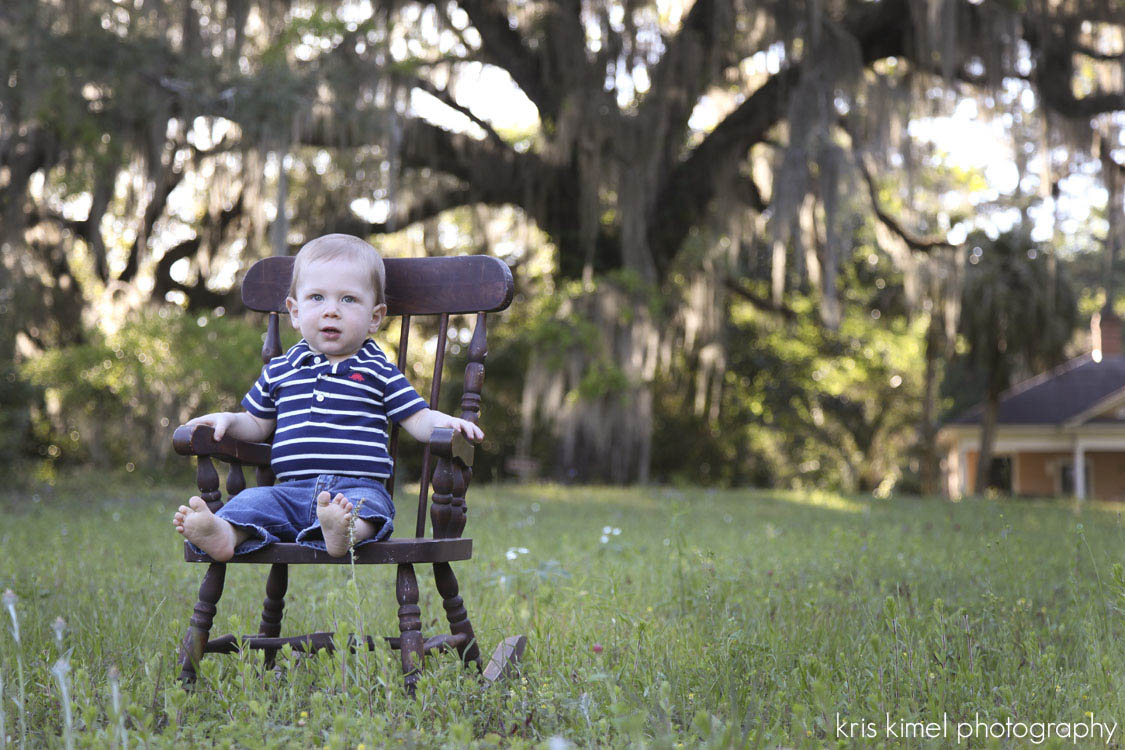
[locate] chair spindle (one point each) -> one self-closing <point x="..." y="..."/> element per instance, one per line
<point x="470" y="411"/>
<point x="441" y="509"/>
<point x="435" y="394"/>
<point x="409" y="624"/>
<point x="207" y="479"/>
<point x="271" y="347"/>
<point x="265" y="476"/>
<point x="455" y="612"/>
<point x="474" y="372"/>
<point x="203" y="615"/>
<point x="236" y="480"/>
<point x="273" y="607"/>
<point x="392" y="446"/>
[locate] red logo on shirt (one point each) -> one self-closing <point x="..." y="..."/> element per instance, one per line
<point x="356" y="377"/>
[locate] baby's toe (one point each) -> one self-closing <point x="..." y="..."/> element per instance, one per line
<point x="323" y="498"/>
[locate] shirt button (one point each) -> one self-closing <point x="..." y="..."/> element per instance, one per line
<point x="316" y="359"/>
<point x="320" y="397"/>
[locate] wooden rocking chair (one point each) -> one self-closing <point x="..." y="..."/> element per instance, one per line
<point x="414" y="286"/>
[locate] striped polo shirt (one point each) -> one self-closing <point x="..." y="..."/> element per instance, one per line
<point x="331" y="418"/>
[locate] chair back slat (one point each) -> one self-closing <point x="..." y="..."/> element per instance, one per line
<point x="435" y="394"/>
<point x="415" y="286"/>
<point x="439" y="359"/>
<point x="392" y="443"/>
<point x="271" y="346"/>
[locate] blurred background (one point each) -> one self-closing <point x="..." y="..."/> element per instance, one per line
<point x="754" y="243"/>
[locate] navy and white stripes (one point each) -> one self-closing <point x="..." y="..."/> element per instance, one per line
<point x="331" y="419"/>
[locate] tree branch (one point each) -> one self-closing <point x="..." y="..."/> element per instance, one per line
<point x="1095" y="55"/>
<point x="501" y="45"/>
<point x="444" y="96"/>
<point x="684" y="72"/>
<point x="432" y="205"/>
<point x="39" y="215"/>
<point x="493" y="173"/>
<point x="882" y="29"/>
<point x="153" y="211"/>
<point x="912" y="240"/>
<point x="1054" y="73"/>
<point x="761" y="302"/>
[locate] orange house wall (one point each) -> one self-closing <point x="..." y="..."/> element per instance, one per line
<point x="971" y="471"/>
<point x="1032" y="475"/>
<point x="1108" y="470"/>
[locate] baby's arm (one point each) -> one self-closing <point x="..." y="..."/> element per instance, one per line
<point x="242" y="425"/>
<point x="422" y="423"/>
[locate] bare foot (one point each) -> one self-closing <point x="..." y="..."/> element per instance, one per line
<point x="205" y="530"/>
<point x="335" y="516"/>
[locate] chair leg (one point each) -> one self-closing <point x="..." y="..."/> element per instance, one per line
<point x="409" y="625"/>
<point x="191" y="650"/>
<point x="456" y="613"/>
<point x="273" y="607"/>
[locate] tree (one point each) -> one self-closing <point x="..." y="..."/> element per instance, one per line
<point x="272" y="119"/>
<point x="1016" y="312"/>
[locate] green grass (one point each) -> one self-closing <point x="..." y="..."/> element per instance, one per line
<point x="713" y="618"/>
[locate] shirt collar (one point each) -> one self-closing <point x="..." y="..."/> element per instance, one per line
<point x="300" y="353"/>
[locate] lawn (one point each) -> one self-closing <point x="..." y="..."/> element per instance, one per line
<point x="656" y="617"/>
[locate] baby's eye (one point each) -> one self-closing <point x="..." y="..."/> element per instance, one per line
<point x="349" y="298"/>
<point x="316" y="297"/>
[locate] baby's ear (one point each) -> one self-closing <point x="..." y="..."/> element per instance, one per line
<point x="378" y="313"/>
<point x="291" y="306"/>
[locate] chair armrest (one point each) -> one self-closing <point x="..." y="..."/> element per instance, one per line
<point x="450" y="443"/>
<point x="199" y="440"/>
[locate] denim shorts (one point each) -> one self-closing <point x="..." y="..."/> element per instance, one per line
<point x="286" y="512"/>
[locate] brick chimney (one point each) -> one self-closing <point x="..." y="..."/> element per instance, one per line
<point x="1105" y="333"/>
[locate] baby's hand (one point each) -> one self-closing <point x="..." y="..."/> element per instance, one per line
<point x="465" y="427"/>
<point x="422" y="423"/>
<point x="469" y="430"/>
<point x="220" y="421"/>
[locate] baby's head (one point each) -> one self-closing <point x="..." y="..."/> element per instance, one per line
<point x="342" y="247"/>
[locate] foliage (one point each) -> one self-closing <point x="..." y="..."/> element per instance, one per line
<point x="708" y="618"/>
<point x="154" y="152"/>
<point x="15" y="394"/>
<point x="802" y="406"/>
<point x="115" y="399"/>
<point x="1018" y="309"/>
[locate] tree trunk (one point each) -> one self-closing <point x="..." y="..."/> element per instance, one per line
<point x="987" y="439"/>
<point x="594" y="395"/>
<point x="931" y="476"/>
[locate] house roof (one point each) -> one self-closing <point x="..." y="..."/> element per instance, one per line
<point x="1073" y="392"/>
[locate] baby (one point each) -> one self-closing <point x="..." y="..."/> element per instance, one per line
<point x="328" y="403"/>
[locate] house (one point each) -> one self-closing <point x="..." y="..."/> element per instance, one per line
<point x="1047" y="425"/>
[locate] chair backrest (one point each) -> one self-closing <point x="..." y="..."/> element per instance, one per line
<point x="414" y="286"/>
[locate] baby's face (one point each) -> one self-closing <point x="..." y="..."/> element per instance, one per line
<point x="335" y="307"/>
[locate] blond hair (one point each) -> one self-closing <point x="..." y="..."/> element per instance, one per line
<point x="333" y="246"/>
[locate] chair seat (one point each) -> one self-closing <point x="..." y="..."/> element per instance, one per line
<point x="390" y="552"/>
